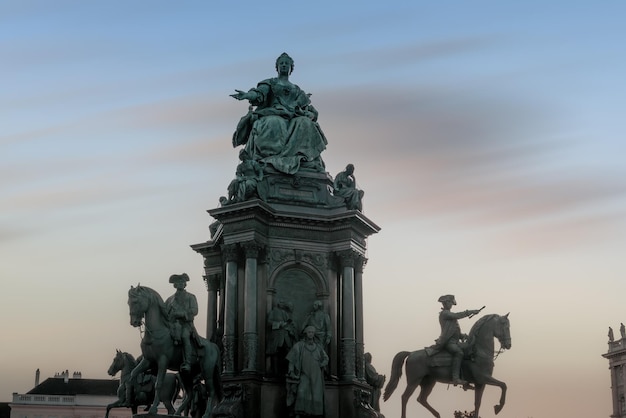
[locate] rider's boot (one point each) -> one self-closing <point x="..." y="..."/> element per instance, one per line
<point x="186" y="366"/>
<point x="456" y="371"/>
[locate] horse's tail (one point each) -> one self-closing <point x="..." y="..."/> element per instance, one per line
<point x="396" y="373"/>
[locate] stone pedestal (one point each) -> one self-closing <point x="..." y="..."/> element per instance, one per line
<point x="296" y="245"/>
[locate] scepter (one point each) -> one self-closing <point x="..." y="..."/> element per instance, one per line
<point x="476" y="312"/>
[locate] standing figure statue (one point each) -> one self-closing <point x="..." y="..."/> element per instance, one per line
<point x="182" y="307"/>
<point x="282" y="131"/>
<point x="282" y="335"/>
<point x="345" y="187"/>
<point x="622" y="330"/>
<point x="320" y="320"/>
<point x="451" y="335"/>
<point x="610" y="335"/>
<point x="305" y="378"/>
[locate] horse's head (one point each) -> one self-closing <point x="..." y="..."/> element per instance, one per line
<point x="502" y="331"/>
<point x="117" y="364"/>
<point x="138" y="304"/>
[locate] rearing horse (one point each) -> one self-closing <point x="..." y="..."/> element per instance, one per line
<point x="477" y="367"/>
<point x="160" y="352"/>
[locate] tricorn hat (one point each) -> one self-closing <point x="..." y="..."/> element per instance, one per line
<point x="174" y="278"/>
<point x="447" y="298"/>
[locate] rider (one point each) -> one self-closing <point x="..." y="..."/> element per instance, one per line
<point x="182" y="306"/>
<point x="451" y="334"/>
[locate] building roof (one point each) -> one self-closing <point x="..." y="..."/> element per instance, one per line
<point x="58" y="386"/>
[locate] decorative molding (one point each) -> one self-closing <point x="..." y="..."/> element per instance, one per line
<point x="228" y="356"/>
<point x="348" y="360"/>
<point x="360" y="361"/>
<point x="250" y="349"/>
<point x="279" y="256"/>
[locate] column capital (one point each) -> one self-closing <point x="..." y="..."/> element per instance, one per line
<point x="347" y="258"/>
<point x="230" y="252"/>
<point x="213" y="282"/>
<point x="251" y="248"/>
<point x="360" y="263"/>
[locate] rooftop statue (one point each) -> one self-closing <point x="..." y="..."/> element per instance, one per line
<point x="345" y="186"/>
<point x="280" y="129"/>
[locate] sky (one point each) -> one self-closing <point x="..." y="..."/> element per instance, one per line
<point x="488" y="137"/>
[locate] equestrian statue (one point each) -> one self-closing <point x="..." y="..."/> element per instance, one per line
<point x="469" y="363"/>
<point x="138" y="392"/>
<point x="171" y="342"/>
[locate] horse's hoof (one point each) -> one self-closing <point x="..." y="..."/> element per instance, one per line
<point x="497" y="408"/>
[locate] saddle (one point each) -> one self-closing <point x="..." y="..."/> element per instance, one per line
<point x="439" y="357"/>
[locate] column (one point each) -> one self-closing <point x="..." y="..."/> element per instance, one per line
<point x="358" y="312"/>
<point x="250" y="333"/>
<point x="347" y="259"/>
<point x="213" y="284"/>
<point x="230" y="255"/>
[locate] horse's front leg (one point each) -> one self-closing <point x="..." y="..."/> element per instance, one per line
<point x="495" y="382"/>
<point x="139" y="368"/>
<point x="111" y="406"/>
<point x="162" y="364"/>
<point x="121" y="392"/>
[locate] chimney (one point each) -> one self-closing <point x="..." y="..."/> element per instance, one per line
<point x="37" y="374"/>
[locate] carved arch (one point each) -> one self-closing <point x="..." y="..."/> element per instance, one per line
<point x="299" y="283"/>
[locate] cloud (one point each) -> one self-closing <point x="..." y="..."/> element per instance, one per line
<point x="470" y="158"/>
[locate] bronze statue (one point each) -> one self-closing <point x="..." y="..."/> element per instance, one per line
<point x="182" y="307"/>
<point x="161" y="353"/>
<point x="610" y="335"/>
<point x="320" y="320"/>
<point x="375" y="380"/>
<point x="622" y="330"/>
<point x="140" y="391"/>
<point x="305" y="378"/>
<point x="451" y="335"/>
<point x="424" y="370"/>
<point x="282" y="335"/>
<point x="345" y="187"/>
<point x="247" y="176"/>
<point x="282" y="130"/>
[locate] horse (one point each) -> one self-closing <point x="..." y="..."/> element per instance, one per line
<point x="477" y="367"/>
<point x="142" y="389"/>
<point x="161" y="353"/>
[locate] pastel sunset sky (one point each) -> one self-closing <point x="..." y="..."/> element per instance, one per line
<point x="489" y="137"/>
